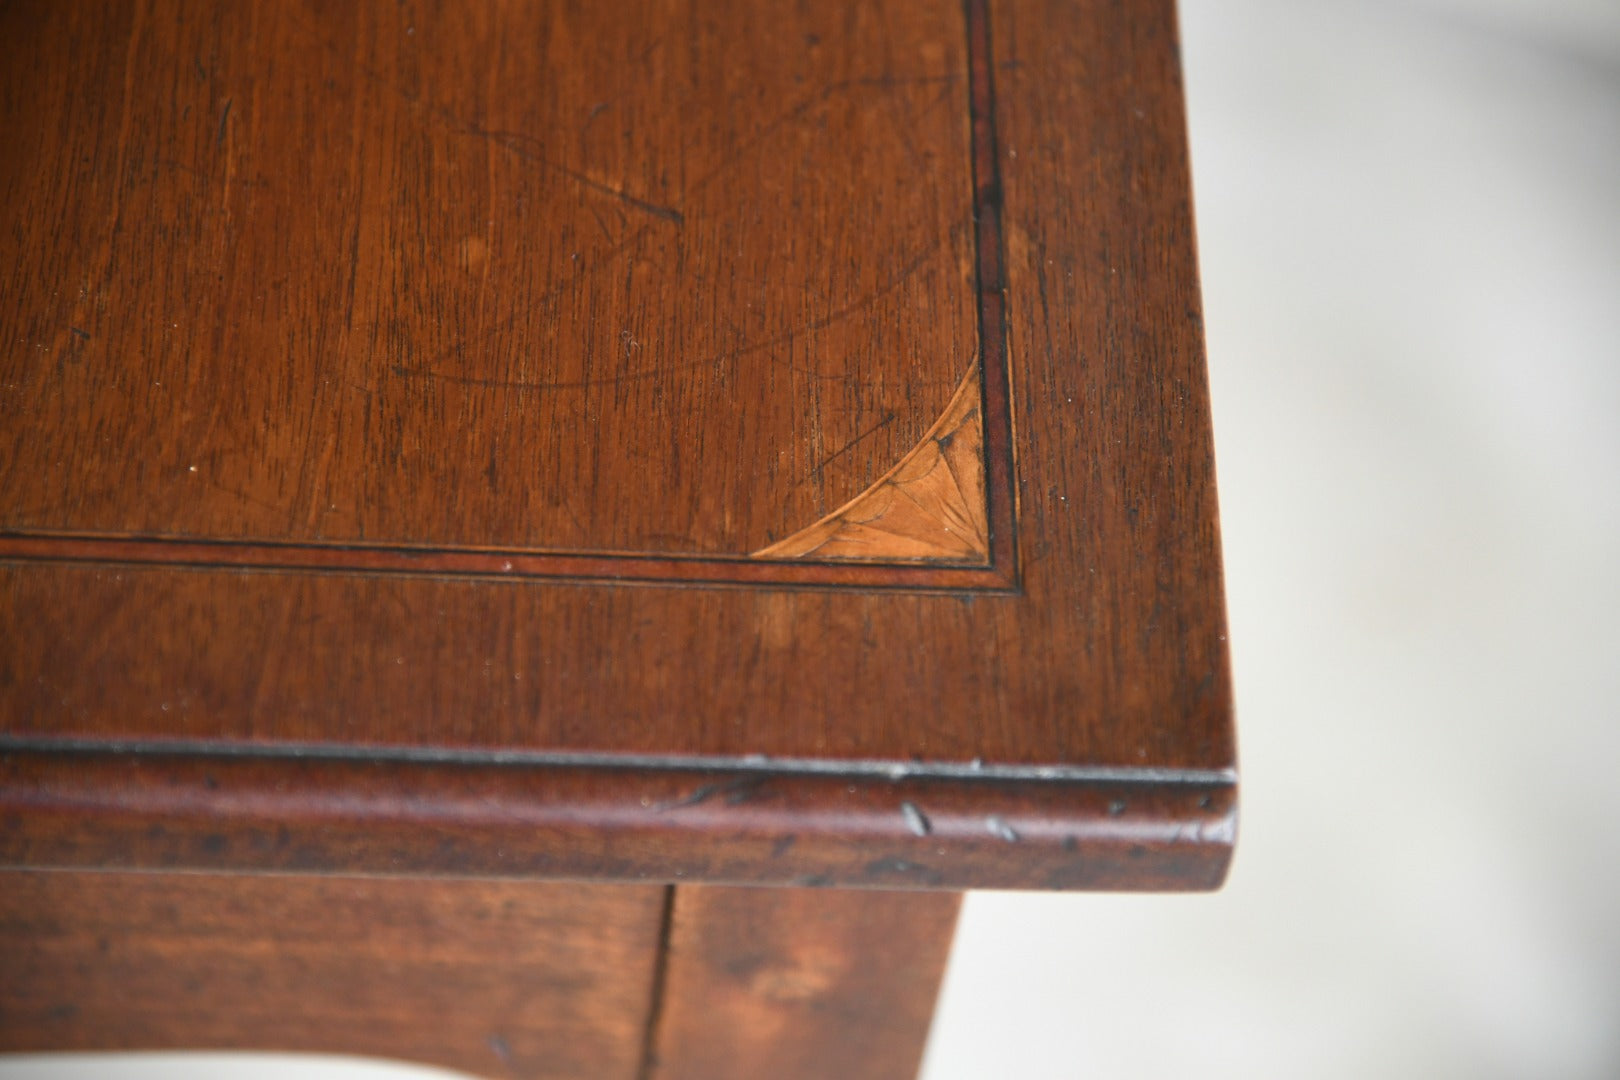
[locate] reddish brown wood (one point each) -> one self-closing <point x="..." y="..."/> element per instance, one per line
<point x="391" y="396"/>
<point x="326" y="256"/>
<point x="799" y="985"/>
<point x="401" y="273"/>
<point x="498" y="979"/>
<point x="163" y="812"/>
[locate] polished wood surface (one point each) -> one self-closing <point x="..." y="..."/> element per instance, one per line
<point x="811" y="984"/>
<point x="530" y="980"/>
<point x="176" y="812"/>
<point x="556" y="276"/>
<point x="480" y="534"/>
<point x="733" y="443"/>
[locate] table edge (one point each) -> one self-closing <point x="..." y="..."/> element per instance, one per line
<point x="796" y="824"/>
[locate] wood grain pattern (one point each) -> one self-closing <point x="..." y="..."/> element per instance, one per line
<point x="538" y="277"/>
<point x="930" y="506"/>
<point x="800" y="985"/>
<point x="391" y="396"/>
<point x="371" y="714"/>
<point x="499" y="980"/>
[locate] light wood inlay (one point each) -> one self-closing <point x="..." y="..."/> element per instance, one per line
<point x="929" y="507"/>
<point x="420" y="609"/>
<point x="605" y="278"/>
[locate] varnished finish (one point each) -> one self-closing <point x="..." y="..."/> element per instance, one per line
<point x="698" y="433"/>
<point x="531" y="276"/>
<point x="500" y="980"/>
<point x="286" y="247"/>
<point x="173" y="812"/>
<point x="737" y="442"/>
<point x="799" y="985"/>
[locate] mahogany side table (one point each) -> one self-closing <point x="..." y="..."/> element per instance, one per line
<point x="555" y="539"/>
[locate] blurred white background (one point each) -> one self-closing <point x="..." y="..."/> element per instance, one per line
<point x="1409" y="219"/>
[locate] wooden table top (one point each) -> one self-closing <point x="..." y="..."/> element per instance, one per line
<point x="750" y="442"/>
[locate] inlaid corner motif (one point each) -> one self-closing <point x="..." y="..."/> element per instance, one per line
<point x="449" y="449"/>
<point x="928" y="508"/>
